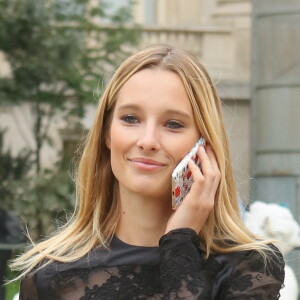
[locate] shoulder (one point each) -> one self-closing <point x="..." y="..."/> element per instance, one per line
<point x="269" y="260"/>
<point x="247" y="274"/>
<point x="243" y="270"/>
<point x="50" y="276"/>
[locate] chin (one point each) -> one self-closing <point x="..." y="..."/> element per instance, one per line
<point x="149" y="189"/>
<point x="156" y="194"/>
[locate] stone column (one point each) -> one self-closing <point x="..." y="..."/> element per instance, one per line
<point x="275" y="104"/>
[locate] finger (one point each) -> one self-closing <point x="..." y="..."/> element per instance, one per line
<point x="215" y="167"/>
<point x="199" y="182"/>
<point x="213" y="161"/>
<point x="204" y="160"/>
<point x="212" y="157"/>
<point x="196" y="171"/>
<point x="200" y="190"/>
<point x="198" y="177"/>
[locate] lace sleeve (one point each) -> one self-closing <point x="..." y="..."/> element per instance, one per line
<point x="185" y="274"/>
<point x="28" y="289"/>
<point x="181" y="267"/>
<point x="253" y="278"/>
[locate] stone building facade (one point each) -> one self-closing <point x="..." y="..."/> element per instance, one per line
<point x="217" y="31"/>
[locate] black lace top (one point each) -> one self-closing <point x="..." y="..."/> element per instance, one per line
<point x="174" y="270"/>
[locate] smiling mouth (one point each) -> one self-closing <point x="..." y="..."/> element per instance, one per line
<point x="146" y="164"/>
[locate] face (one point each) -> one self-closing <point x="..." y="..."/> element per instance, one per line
<point x="151" y="131"/>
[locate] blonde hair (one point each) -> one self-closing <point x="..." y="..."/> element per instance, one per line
<point x="97" y="209"/>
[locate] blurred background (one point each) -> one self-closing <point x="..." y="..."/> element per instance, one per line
<point x="57" y="55"/>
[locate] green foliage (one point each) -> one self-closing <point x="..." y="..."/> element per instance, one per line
<point x="43" y="55"/>
<point x="11" y="288"/>
<point x="43" y="200"/>
<point x="46" y="42"/>
<point x="39" y="199"/>
<point x="58" y="52"/>
<point x="12" y="169"/>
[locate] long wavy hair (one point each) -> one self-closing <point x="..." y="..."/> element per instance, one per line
<point x="96" y="213"/>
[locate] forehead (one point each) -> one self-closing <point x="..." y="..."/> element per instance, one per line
<point x="155" y="87"/>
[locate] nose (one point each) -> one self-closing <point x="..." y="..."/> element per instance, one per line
<point x="149" y="138"/>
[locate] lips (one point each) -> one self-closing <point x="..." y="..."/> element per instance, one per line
<point x="144" y="164"/>
<point x="147" y="161"/>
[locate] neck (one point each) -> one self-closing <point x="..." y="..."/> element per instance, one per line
<point x="143" y="219"/>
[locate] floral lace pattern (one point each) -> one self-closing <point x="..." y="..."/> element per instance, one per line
<point x="175" y="270"/>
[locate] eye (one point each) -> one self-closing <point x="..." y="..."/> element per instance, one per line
<point x="174" y="125"/>
<point x="129" y="119"/>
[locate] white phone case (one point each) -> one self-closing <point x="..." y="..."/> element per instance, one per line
<point x="182" y="176"/>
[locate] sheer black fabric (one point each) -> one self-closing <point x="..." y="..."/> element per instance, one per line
<point x="174" y="270"/>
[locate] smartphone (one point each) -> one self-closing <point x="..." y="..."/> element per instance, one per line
<point x="182" y="176"/>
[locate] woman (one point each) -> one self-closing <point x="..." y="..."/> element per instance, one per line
<point x="124" y="240"/>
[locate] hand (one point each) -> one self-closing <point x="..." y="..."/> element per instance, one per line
<point x="199" y="202"/>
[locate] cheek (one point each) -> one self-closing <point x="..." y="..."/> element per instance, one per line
<point x="180" y="148"/>
<point x="118" y="142"/>
<point x="180" y="153"/>
<point x="114" y="136"/>
<point x="116" y="158"/>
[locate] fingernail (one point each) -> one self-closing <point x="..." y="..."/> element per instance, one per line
<point x="202" y="149"/>
<point x="191" y="161"/>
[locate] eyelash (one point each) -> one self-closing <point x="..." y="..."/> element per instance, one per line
<point x="131" y="119"/>
<point x="177" y="124"/>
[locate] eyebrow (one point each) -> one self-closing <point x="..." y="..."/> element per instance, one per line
<point x="168" y="111"/>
